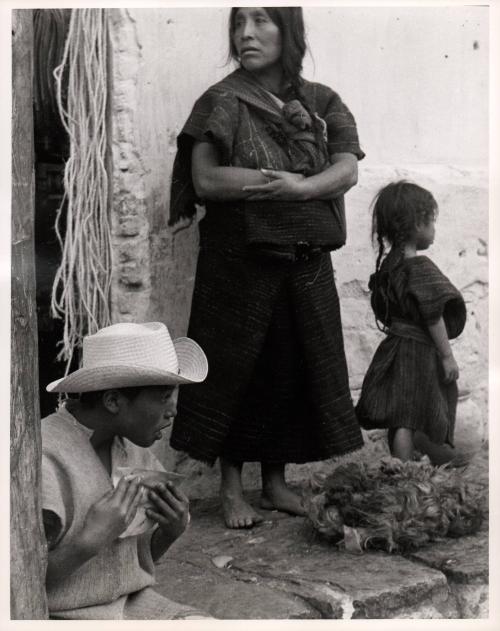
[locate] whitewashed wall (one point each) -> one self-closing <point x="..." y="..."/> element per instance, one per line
<point x="416" y="80"/>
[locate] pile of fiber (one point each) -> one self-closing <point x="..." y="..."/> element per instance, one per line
<point x="394" y="506"/>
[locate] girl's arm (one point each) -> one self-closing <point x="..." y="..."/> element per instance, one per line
<point x="337" y="179"/>
<point x="440" y="337"/>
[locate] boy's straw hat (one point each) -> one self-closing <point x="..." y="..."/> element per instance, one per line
<point x="125" y="355"/>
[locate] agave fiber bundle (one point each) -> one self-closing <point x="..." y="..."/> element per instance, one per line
<point x="81" y="293"/>
<point x="394" y="506"/>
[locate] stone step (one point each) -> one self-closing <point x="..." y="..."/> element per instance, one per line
<point x="281" y="570"/>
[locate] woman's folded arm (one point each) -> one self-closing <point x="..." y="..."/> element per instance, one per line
<point x="219" y="183"/>
<point x="225" y="183"/>
<point x="336" y="180"/>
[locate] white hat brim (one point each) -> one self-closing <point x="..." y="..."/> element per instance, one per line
<point x="193" y="368"/>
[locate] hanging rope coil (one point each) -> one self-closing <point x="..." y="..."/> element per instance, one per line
<point x="82" y="285"/>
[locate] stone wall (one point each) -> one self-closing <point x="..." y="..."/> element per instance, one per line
<point x="416" y="81"/>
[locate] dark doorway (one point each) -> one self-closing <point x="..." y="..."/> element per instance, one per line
<point x="50" y="27"/>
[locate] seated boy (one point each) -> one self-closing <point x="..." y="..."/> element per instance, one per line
<point x="127" y="396"/>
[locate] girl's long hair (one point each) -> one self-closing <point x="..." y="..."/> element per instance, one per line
<point x="397" y="209"/>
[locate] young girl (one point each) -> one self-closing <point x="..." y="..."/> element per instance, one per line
<point x="411" y="384"/>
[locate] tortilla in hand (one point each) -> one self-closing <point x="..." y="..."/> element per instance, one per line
<point x="148" y="478"/>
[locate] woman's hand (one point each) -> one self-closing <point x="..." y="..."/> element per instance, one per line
<point x="281" y="185"/>
<point x="450" y="368"/>
<point x="111" y="514"/>
<point x="171" y="510"/>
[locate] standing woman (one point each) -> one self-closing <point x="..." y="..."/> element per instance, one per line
<point x="270" y="155"/>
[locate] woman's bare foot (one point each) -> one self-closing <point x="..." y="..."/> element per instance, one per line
<point x="238" y="513"/>
<point x="283" y="499"/>
<point x="276" y="495"/>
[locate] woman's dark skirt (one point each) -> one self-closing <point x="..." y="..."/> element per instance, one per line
<point x="277" y="388"/>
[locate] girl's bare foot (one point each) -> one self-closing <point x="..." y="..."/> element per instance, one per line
<point x="276" y="495"/>
<point x="238" y="513"/>
<point x="443" y="454"/>
<point x="401" y="443"/>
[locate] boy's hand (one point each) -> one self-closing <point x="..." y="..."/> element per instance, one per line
<point x="111" y="515"/>
<point x="450" y="368"/>
<point x="171" y="510"/>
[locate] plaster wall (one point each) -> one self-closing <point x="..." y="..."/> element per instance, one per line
<point x="416" y="80"/>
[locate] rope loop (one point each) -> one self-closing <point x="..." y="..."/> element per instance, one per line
<point x="82" y="286"/>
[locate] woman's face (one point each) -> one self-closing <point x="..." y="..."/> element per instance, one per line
<point x="257" y="39"/>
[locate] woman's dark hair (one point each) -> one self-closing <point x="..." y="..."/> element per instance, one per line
<point x="397" y="209"/>
<point x="290" y="22"/>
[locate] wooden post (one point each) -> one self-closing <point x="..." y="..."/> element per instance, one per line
<point x="28" y="550"/>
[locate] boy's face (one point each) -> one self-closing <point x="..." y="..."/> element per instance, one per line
<point x="144" y="417"/>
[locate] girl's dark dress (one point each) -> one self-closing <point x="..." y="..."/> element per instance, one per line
<point x="404" y="386"/>
<point x="277" y="388"/>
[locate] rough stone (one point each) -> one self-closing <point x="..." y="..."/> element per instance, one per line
<point x="463" y="560"/>
<point x="465" y="564"/>
<point x="129" y="218"/>
<point x="279" y="569"/>
<point x="472" y="600"/>
<point x="129" y="302"/>
<point x="130" y="225"/>
<point x="218" y="592"/>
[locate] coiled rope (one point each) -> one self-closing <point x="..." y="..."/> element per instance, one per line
<point x="82" y="285"/>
